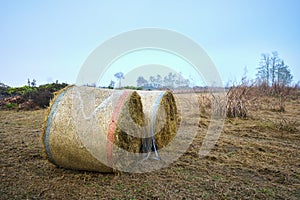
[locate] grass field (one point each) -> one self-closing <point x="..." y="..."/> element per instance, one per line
<point x="255" y="158"/>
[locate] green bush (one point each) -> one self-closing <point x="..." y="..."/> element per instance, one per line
<point x="20" y="90"/>
<point x="11" y="105"/>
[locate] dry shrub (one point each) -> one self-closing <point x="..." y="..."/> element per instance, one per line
<point x="235" y="105"/>
<point x="278" y="90"/>
<point x="238" y="101"/>
<point x="213" y="103"/>
<point x="219" y="104"/>
<point x="271" y="98"/>
<point x="205" y="103"/>
<point x="245" y="97"/>
<point x="281" y="94"/>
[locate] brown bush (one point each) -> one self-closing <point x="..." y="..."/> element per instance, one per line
<point x="238" y="101"/>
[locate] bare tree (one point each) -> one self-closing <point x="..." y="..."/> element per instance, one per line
<point x="263" y="73"/>
<point x="33" y="83"/>
<point x="141" y="81"/>
<point x="274" y="62"/>
<point x="119" y="76"/>
<point x="152" y="81"/>
<point x="284" y="76"/>
<point x="159" y="80"/>
<point x="274" y="68"/>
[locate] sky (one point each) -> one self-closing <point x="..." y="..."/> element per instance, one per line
<point x="50" y="40"/>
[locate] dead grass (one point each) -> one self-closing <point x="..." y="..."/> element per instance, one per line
<point x="253" y="159"/>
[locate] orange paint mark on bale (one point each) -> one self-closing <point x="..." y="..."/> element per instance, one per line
<point x="112" y="128"/>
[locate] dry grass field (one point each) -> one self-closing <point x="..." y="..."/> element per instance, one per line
<point x="255" y="158"/>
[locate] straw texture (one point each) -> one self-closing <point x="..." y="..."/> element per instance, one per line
<point x="85" y="127"/>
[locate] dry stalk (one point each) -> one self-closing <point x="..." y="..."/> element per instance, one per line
<point x="238" y="101"/>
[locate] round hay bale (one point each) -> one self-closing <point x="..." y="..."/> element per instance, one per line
<point x="161" y="118"/>
<point x="85" y="127"/>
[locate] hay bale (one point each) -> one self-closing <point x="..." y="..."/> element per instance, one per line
<point x="161" y="117"/>
<point x="85" y="128"/>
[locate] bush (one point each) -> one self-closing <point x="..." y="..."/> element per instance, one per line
<point x="11" y="105"/>
<point x="20" y="90"/>
<point x="53" y="87"/>
<point x="41" y="97"/>
<point x="28" y="97"/>
<point x="238" y="101"/>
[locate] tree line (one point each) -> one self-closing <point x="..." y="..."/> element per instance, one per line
<point x="272" y="71"/>
<point x="171" y="80"/>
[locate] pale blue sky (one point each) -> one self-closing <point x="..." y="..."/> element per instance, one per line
<point x="50" y="40"/>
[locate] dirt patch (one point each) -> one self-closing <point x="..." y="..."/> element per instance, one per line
<point x="252" y="160"/>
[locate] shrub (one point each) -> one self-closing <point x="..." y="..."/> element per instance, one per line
<point x="41" y="97"/>
<point x="238" y="101"/>
<point x="11" y="105"/>
<point x="28" y="97"/>
<point x="20" y="90"/>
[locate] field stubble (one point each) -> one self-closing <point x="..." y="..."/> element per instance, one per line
<point x="255" y="158"/>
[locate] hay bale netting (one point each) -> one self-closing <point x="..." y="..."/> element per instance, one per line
<point x="84" y="125"/>
<point x="161" y="116"/>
